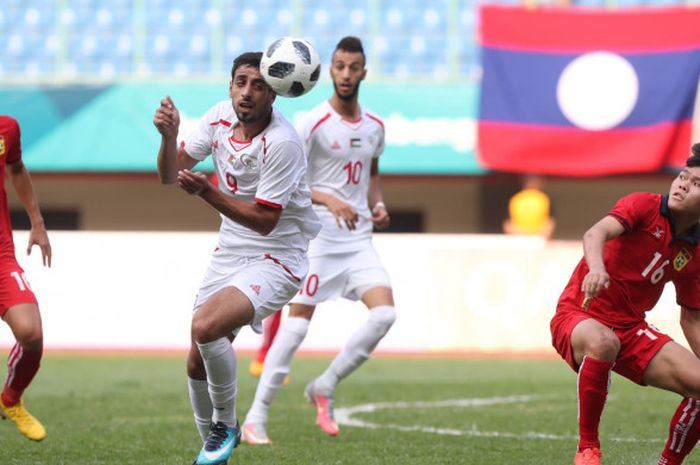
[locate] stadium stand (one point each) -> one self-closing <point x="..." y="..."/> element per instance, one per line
<point x="89" y="40"/>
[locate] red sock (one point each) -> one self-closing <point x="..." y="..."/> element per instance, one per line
<point x="593" y="384"/>
<point x="684" y="432"/>
<point x="22" y="365"/>
<point x="270" y="326"/>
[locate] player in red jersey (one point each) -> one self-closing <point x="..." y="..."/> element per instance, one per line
<point x="644" y="242"/>
<point x="18" y="305"/>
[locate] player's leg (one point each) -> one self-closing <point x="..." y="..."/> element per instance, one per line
<point x="198" y="390"/>
<point x="358" y="348"/>
<point x="217" y="277"/>
<point x="366" y="279"/>
<point x="253" y="292"/>
<point x="212" y="325"/>
<point x="676" y="369"/>
<point x="595" y="348"/>
<point x="380" y="302"/>
<point x="271" y="325"/>
<point x="276" y="369"/>
<point x="24" y="320"/>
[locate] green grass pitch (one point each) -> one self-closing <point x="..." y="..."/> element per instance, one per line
<point x="104" y="410"/>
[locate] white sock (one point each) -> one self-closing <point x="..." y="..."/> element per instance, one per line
<point x="358" y="348"/>
<point x="277" y="364"/>
<point x="201" y="405"/>
<point x="220" y="362"/>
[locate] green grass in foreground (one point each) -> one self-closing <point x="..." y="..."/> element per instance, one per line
<point x="102" y="410"/>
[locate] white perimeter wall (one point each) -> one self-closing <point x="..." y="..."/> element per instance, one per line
<point x="453" y="292"/>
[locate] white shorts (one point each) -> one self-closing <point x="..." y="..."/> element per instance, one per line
<point x="348" y="275"/>
<point x="269" y="281"/>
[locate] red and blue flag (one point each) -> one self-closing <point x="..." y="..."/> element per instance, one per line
<point x="585" y="92"/>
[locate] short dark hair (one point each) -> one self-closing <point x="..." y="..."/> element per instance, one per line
<point x="694" y="160"/>
<point x="351" y="44"/>
<point x="251" y="59"/>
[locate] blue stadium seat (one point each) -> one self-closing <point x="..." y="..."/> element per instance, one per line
<point x="29" y="19"/>
<point x="50" y="39"/>
<point x="590" y="3"/>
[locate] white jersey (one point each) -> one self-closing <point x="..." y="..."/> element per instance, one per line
<point x="340" y="155"/>
<point x="269" y="169"/>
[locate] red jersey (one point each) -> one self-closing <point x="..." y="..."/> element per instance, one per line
<point x="10" y="151"/>
<point x="640" y="262"/>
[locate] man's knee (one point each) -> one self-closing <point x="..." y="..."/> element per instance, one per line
<point x="383" y="316"/>
<point x="604" y="346"/>
<point x="689" y="385"/>
<point x="302" y="311"/>
<point x="594" y="339"/>
<point x="30" y="337"/>
<point x="598" y="343"/>
<point x="195" y="364"/>
<point x="25" y="322"/>
<point x="203" y="330"/>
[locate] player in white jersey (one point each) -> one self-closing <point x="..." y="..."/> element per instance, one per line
<point x="267" y="222"/>
<point x="343" y="142"/>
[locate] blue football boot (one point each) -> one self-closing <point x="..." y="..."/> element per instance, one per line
<point x="219" y="445"/>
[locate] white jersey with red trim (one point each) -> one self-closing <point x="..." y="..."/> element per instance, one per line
<point x="269" y="169"/>
<point x="340" y="155"/>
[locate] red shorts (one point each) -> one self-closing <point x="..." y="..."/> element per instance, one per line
<point x="14" y="287"/>
<point x="638" y="344"/>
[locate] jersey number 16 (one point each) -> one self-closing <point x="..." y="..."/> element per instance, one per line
<point x="658" y="273"/>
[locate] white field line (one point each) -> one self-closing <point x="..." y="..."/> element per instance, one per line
<point x="346" y="416"/>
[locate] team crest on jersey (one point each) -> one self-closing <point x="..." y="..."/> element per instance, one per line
<point x="249" y="161"/>
<point x="681" y="259"/>
<point x="355" y="142"/>
<point x="2" y="146"/>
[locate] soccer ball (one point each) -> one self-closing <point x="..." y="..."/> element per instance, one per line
<point x="291" y="66"/>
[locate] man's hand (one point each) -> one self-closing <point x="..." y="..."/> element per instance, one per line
<point x="342" y="212"/>
<point x="595" y="281"/>
<point x="193" y="183"/>
<point x="167" y="118"/>
<point x="380" y="216"/>
<point x="38" y="236"/>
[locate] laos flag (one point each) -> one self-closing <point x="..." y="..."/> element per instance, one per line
<point x="586" y="92"/>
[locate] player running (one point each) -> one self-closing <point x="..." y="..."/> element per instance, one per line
<point x="343" y="142"/>
<point x="18" y="305"/>
<point x="267" y="222"/>
<point x="644" y="242"/>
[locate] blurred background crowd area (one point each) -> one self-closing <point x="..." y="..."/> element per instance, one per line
<point x="89" y="40"/>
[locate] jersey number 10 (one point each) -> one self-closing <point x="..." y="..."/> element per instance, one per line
<point x="354" y="171"/>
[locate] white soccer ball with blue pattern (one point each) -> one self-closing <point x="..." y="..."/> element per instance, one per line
<point x="291" y="66"/>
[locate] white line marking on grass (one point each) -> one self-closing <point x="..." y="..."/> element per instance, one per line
<point x="346" y="416"/>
